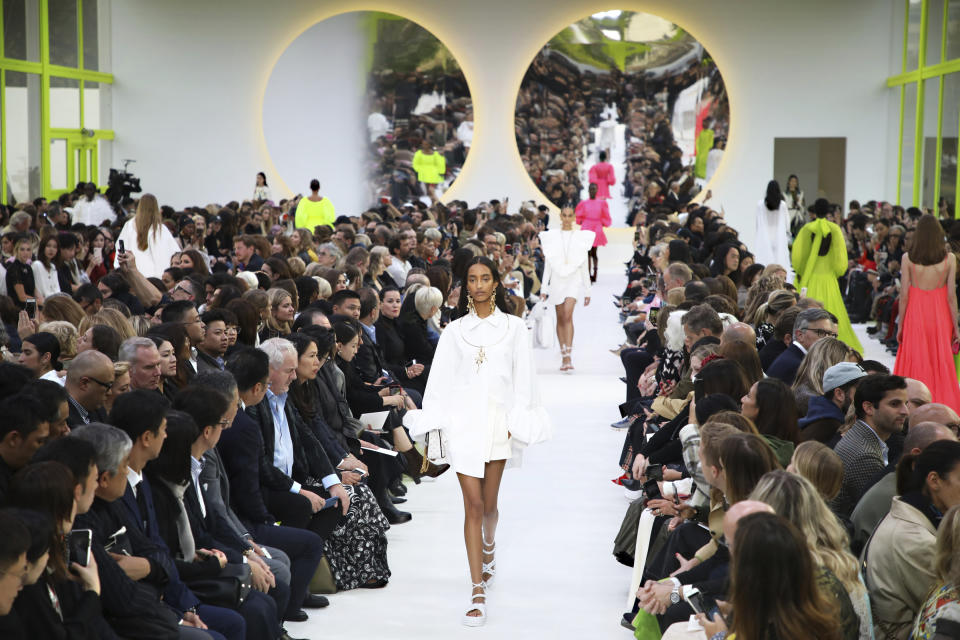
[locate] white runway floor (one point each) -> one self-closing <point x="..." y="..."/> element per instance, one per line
<point x="557" y="577"/>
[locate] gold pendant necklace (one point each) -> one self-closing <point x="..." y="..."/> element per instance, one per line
<point x="481" y="355"/>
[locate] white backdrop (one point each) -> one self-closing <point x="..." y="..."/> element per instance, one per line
<point x="190" y="78"/>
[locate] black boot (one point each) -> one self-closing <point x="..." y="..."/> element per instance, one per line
<point x="421" y="466"/>
<point x="397" y="488"/>
<point x="394" y="515"/>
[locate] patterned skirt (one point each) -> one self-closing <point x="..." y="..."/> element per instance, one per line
<point x="357" y="548"/>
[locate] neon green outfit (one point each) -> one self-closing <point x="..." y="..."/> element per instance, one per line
<point x="819" y="273"/>
<point x="704" y="145"/>
<point x="429" y="167"/>
<point x="311" y="215"/>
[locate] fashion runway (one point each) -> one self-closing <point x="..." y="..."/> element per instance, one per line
<point x="559" y="513"/>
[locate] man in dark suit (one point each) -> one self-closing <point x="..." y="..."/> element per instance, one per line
<point x="89" y="378"/>
<point x="293" y="554"/>
<point x="277" y="423"/>
<point x="881" y="406"/>
<point x="211" y="349"/>
<point x="22" y="431"/>
<point x="782" y="337"/>
<point x="811" y="325"/>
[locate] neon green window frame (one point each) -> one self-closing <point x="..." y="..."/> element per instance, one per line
<point x="938" y="71"/>
<point x="46" y="70"/>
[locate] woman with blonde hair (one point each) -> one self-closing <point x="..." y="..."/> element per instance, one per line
<point x="305" y="246"/>
<point x="60" y="306"/>
<point x="825" y="353"/>
<point x="148" y="238"/>
<point x="819" y="464"/>
<point x="324" y="290"/>
<point x="282" y="311"/>
<point x="380" y="259"/>
<point x="793" y="497"/>
<point x="121" y="384"/>
<point x="759" y="294"/>
<point x="66" y="334"/>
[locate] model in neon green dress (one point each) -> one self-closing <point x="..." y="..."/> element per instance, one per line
<point x="819" y="273"/>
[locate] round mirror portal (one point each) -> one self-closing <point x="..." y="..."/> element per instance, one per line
<point x="628" y="101"/>
<point x="373" y="106"/>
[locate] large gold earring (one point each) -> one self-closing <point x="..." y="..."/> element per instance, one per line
<point x="470" y="307"/>
<point x="493" y="303"/>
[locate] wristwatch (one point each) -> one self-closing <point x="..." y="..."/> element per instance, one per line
<point x="675" y="595"/>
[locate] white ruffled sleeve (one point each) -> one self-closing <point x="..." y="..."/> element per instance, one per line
<point x="527" y="420"/>
<point x="439" y="390"/>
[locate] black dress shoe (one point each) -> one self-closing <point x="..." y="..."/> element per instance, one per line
<point x="299" y="616"/>
<point x="395" y="516"/>
<point x="398" y="488"/>
<point x="315" y="601"/>
<point x="397" y="499"/>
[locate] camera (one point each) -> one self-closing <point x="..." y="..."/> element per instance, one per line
<point x="121" y="184"/>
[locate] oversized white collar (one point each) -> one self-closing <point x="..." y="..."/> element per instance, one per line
<point x="496" y="319"/>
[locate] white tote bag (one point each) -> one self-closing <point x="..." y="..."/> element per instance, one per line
<point x="544" y="326"/>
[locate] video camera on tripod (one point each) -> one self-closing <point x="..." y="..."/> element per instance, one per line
<point x="121" y="184"/>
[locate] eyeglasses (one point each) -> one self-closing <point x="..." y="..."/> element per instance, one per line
<point x="181" y="290"/>
<point x="105" y="385"/>
<point x="823" y="333"/>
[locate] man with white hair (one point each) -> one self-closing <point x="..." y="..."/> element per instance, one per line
<point x="283" y="449"/>
<point x="144" y="361"/>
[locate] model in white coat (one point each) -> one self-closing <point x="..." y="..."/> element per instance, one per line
<point x="565" y="276"/>
<point x="771" y="242"/>
<point x="149" y="239"/>
<point x="482" y="394"/>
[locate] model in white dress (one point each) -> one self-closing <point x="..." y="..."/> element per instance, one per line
<point x="482" y="395"/>
<point x="565" y="276"/>
<point x="161" y="244"/>
<point x="771" y="245"/>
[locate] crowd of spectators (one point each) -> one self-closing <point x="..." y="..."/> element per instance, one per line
<point x="224" y="435"/>
<point x="780" y="485"/>
<point x="560" y="105"/>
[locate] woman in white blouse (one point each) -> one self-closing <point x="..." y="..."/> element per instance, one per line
<point x="565" y="276"/>
<point x="482" y="397"/>
<point x="45" y="268"/>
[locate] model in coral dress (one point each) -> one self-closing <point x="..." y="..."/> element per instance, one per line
<point x="594" y="215"/>
<point x="928" y="328"/>
<point x="602" y="175"/>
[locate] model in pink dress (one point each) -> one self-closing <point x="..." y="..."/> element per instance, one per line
<point x="602" y="175"/>
<point x="594" y="215"/>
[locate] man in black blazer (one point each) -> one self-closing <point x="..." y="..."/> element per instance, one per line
<point x="811" y="325"/>
<point x="211" y="349"/>
<point x="89" y="377"/>
<point x="301" y="456"/>
<point x="782" y="337"/>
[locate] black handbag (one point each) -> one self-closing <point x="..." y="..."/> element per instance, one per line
<point x="228" y="589"/>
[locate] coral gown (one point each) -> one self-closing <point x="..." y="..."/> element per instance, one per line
<point x="819" y="274"/>
<point x="594" y="215"/>
<point x="925" y="352"/>
<point x="603" y="176"/>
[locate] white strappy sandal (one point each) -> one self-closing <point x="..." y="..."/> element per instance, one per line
<point x="489" y="567"/>
<point x="480" y="620"/>
<point x="565" y="352"/>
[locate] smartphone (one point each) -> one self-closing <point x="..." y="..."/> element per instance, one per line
<point x="696" y="601"/>
<point x="330" y="503"/>
<point x="359" y="472"/>
<point x="98" y="252"/>
<point x="31" y="307"/>
<point x="395" y="389"/>
<point x="508" y="248"/>
<point x="120" y="245"/>
<point x="653" y="315"/>
<point x="652" y="489"/>
<point x="803" y="292"/>
<point x="78" y="545"/>
<point x="698" y="389"/>
<point x="655" y="472"/>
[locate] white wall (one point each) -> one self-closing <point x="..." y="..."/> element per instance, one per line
<point x="190" y="78"/>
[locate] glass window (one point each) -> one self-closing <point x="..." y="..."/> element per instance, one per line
<point x="953" y="30"/>
<point x="58" y="164"/>
<point x="948" y="151"/>
<point x="104" y="160"/>
<point x="91" y="104"/>
<point x="62" y="15"/>
<point x="21" y="30"/>
<point x="21" y="127"/>
<point x="91" y="48"/>
<point x="908" y="143"/>
<point x="928" y="161"/>
<point x="913" y="34"/>
<point x="934" y="31"/>
<point x="64" y="103"/>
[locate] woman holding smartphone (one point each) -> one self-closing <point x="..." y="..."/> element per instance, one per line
<point x="565" y="277"/>
<point x="482" y="398"/>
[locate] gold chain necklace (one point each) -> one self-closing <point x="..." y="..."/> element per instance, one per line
<point x="481" y="356"/>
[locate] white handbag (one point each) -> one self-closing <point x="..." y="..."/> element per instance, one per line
<point x="435" y="447"/>
<point x="544" y="331"/>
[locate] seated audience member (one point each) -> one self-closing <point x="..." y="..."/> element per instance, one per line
<point x="14" y="544"/>
<point x="880" y="404"/>
<point x="213" y="347"/>
<point x="700" y="322"/>
<point x="41" y="354"/>
<point x="52" y="399"/>
<point x="819" y="464"/>
<point x="291" y="554"/>
<point x="936" y="620"/>
<point x="413" y="325"/>
<point x="917" y="394"/>
<point x="22" y="433"/>
<point x="144" y="359"/>
<point x="121" y="385"/>
<point x="811" y="325"/>
<point x="88" y="379"/>
<point x="809" y="379"/>
<point x="875" y="503"/>
<point x="771" y="407"/>
<point x="131" y="606"/>
<point x="392" y="345"/>
<point x="782" y="337"/>
<point x="102" y="338"/>
<point x="185" y="313"/>
<point x="825" y="413"/>
<point x="89" y="298"/>
<point x="899" y="558"/>
<point x="63" y="597"/>
<point x="776" y="588"/>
